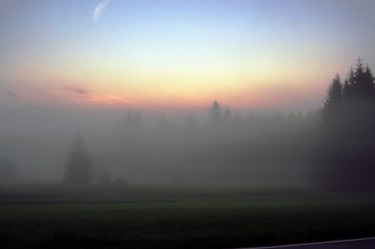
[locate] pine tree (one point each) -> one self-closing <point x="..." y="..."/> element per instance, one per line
<point x="345" y="157"/>
<point x="216" y="113"/>
<point x="78" y="169"/>
<point x="360" y="84"/>
<point x="162" y="123"/>
<point x="334" y="99"/>
<point x="346" y="91"/>
<point x="369" y="82"/>
<point x="7" y="171"/>
<point x="228" y="117"/>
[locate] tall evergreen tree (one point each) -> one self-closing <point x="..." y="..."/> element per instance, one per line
<point x="369" y="82"/>
<point x="345" y="157"/>
<point x="334" y="99"/>
<point x="78" y="169"/>
<point x="346" y="91"/>
<point x="7" y="170"/>
<point x="162" y="123"/>
<point x="228" y="117"/>
<point x="360" y="84"/>
<point x="216" y="113"/>
<point x="133" y="123"/>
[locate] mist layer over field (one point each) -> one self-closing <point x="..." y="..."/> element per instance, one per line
<point x="216" y="148"/>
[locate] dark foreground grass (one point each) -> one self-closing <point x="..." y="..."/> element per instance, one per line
<point x="183" y="224"/>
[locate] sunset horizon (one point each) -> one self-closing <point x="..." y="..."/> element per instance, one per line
<point x="168" y="55"/>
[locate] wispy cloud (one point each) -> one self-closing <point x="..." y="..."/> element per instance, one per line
<point x="75" y="89"/>
<point x="108" y="98"/>
<point x="99" y="10"/>
<point x="11" y="94"/>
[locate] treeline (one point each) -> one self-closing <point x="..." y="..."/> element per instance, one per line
<point x="226" y="149"/>
<point x="218" y="116"/>
<point x="332" y="148"/>
<point x="345" y="155"/>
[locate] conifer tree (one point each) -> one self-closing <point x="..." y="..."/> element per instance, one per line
<point x="360" y="84"/>
<point x="334" y="99"/>
<point x="78" y="169"/>
<point x="216" y="113"/>
<point x="7" y="170"/>
<point x="228" y="117"/>
<point x="345" y="157"/>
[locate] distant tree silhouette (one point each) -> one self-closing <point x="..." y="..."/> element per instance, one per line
<point x="120" y="182"/>
<point x="133" y="121"/>
<point x="216" y="113"/>
<point x="345" y="158"/>
<point x="334" y="99"/>
<point x="129" y="120"/>
<point x="78" y="169"/>
<point x="7" y="171"/>
<point x="360" y="84"/>
<point x="228" y="117"/>
<point x="118" y="127"/>
<point x="138" y="120"/>
<point x="162" y="123"/>
<point x="190" y="122"/>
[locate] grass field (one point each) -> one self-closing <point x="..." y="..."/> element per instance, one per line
<point x="184" y="223"/>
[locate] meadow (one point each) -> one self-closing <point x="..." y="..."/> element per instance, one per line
<point x="170" y="218"/>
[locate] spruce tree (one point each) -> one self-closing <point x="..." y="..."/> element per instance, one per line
<point x="228" y="117"/>
<point x="345" y="155"/>
<point x="78" y="169"/>
<point x="216" y="113"/>
<point x="334" y="99"/>
<point x="359" y="87"/>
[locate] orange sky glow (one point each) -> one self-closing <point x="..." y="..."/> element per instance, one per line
<point x="248" y="55"/>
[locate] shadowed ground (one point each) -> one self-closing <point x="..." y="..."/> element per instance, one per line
<point x="209" y="222"/>
<point x="365" y="243"/>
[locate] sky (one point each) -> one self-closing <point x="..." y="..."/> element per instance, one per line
<point x="179" y="55"/>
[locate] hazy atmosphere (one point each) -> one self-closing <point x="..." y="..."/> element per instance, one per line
<point x="186" y="124"/>
<point x="173" y="92"/>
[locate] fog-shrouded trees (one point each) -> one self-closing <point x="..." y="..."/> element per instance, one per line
<point x="7" y="171"/>
<point x="334" y="99"/>
<point x="345" y="156"/>
<point x="78" y="169"/>
<point x="216" y="112"/>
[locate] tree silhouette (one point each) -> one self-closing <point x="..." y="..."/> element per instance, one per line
<point x="216" y="113"/>
<point x="162" y="123"/>
<point x="78" y="169"/>
<point x="360" y="84"/>
<point x="190" y="122"/>
<point x="334" y="99"/>
<point x="138" y="121"/>
<point x="228" y="117"/>
<point x="345" y="158"/>
<point x="129" y="120"/>
<point x="133" y="122"/>
<point x="7" y="170"/>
